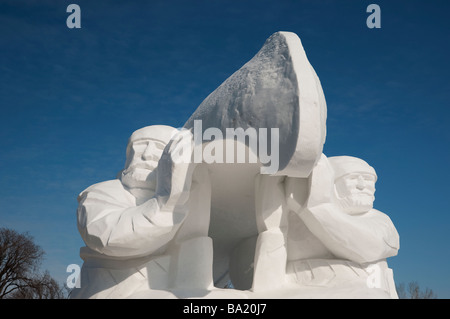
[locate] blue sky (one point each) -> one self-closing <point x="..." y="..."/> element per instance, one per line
<point x="70" y="98"/>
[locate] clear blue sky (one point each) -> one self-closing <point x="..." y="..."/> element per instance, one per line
<point x="70" y="98"/>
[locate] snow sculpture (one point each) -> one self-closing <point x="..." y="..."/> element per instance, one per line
<point x="128" y="223"/>
<point x="277" y="88"/>
<point x="336" y="239"/>
<point x="251" y="201"/>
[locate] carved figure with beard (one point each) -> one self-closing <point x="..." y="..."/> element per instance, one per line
<point x="335" y="234"/>
<point x="128" y="221"/>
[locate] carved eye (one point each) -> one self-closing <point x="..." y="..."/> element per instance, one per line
<point x="353" y="177"/>
<point x="159" y="146"/>
<point x="369" y="178"/>
<point x="140" y="146"/>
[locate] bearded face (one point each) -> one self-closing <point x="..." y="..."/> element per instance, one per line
<point x="142" y="159"/>
<point x="356" y="192"/>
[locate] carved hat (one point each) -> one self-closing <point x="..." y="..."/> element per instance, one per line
<point x="344" y="165"/>
<point x="161" y="133"/>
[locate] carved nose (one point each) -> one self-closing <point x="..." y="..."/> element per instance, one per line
<point x="149" y="152"/>
<point x="360" y="185"/>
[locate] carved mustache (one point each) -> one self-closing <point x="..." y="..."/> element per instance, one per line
<point x="144" y="165"/>
<point x="357" y="192"/>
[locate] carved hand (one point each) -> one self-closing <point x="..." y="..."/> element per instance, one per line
<point x="321" y="183"/>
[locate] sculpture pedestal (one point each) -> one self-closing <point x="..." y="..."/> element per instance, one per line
<point x="270" y="261"/>
<point x="191" y="264"/>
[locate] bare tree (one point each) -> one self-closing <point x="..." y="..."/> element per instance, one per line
<point x="20" y="259"/>
<point x="414" y="292"/>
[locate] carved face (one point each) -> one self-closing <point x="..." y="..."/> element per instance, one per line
<point x="356" y="192"/>
<point x="142" y="159"/>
